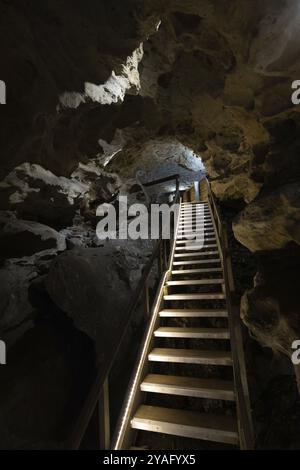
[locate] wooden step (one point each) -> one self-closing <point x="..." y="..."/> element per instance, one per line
<point x="206" y="296"/>
<point x="202" y="224"/>
<point x="200" y="220"/>
<point x="195" y="215"/>
<point x="196" y="244"/>
<point x="197" y="333"/>
<point x="194" y="219"/>
<point x="207" y="239"/>
<point x="182" y="231"/>
<point x="185" y="272"/>
<point x="195" y="211"/>
<point x="201" y="203"/>
<point x="194" y="206"/>
<point x="193" y="254"/>
<point x="192" y="229"/>
<point x="202" y="261"/>
<point x="193" y="235"/>
<point x="199" y="229"/>
<point x="193" y="313"/>
<point x="191" y="356"/>
<point x="195" y="282"/>
<point x="196" y="247"/>
<point x="189" y="387"/>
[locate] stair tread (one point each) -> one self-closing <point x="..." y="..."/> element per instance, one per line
<point x="202" y="261"/>
<point x="187" y="233"/>
<point x="205" y="224"/>
<point x="186" y="205"/>
<point x="191" y="242"/>
<point x="205" y="296"/>
<point x="197" y="271"/>
<point x="196" y="247"/>
<point x="206" y="231"/>
<point x="196" y="253"/>
<point x="181" y="312"/>
<point x="195" y="216"/>
<point x="190" y="356"/>
<point x="183" y="332"/>
<point x="189" y="386"/>
<point x="206" y="426"/>
<point x="195" y="282"/>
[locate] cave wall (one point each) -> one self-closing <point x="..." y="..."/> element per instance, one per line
<point x="94" y="91"/>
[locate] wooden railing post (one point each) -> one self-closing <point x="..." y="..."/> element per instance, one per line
<point x="104" y="416"/>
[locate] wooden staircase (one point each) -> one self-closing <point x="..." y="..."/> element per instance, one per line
<point x="187" y="384"/>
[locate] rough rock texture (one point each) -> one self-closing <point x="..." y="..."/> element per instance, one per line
<point x="271" y="309"/>
<point x="24" y="237"/>
<point x="272" y="221"/>
<point x="99" y="90"/>
<point x="15" y="307"/>
<point x="94" y="286"/>
<point x="38" y="194"/>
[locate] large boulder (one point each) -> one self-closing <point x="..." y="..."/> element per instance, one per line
<point x="25" y="238"/>
<point x="94" y="286"/>
<point x="37" y="194"/>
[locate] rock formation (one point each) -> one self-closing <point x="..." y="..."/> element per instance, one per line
<point x="98" y="91"/>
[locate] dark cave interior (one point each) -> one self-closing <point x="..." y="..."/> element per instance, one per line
<point x="103" y="94"/>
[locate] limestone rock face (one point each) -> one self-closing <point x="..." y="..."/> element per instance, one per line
<point x="271" y="221"/>
<point x="271" y="309"/>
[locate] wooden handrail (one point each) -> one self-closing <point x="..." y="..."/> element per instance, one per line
<point x="235" y="326"/>
<point x="99" y="388"/>
<point x="123" y="430"/>
<point x="162" y="180"/>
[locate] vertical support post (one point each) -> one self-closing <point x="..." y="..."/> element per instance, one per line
<point x="104" y="418"/>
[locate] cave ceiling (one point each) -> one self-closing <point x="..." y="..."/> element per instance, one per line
<point x="105" y="81"/>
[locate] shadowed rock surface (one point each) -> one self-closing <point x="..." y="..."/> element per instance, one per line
<point x="98" y="91"/>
